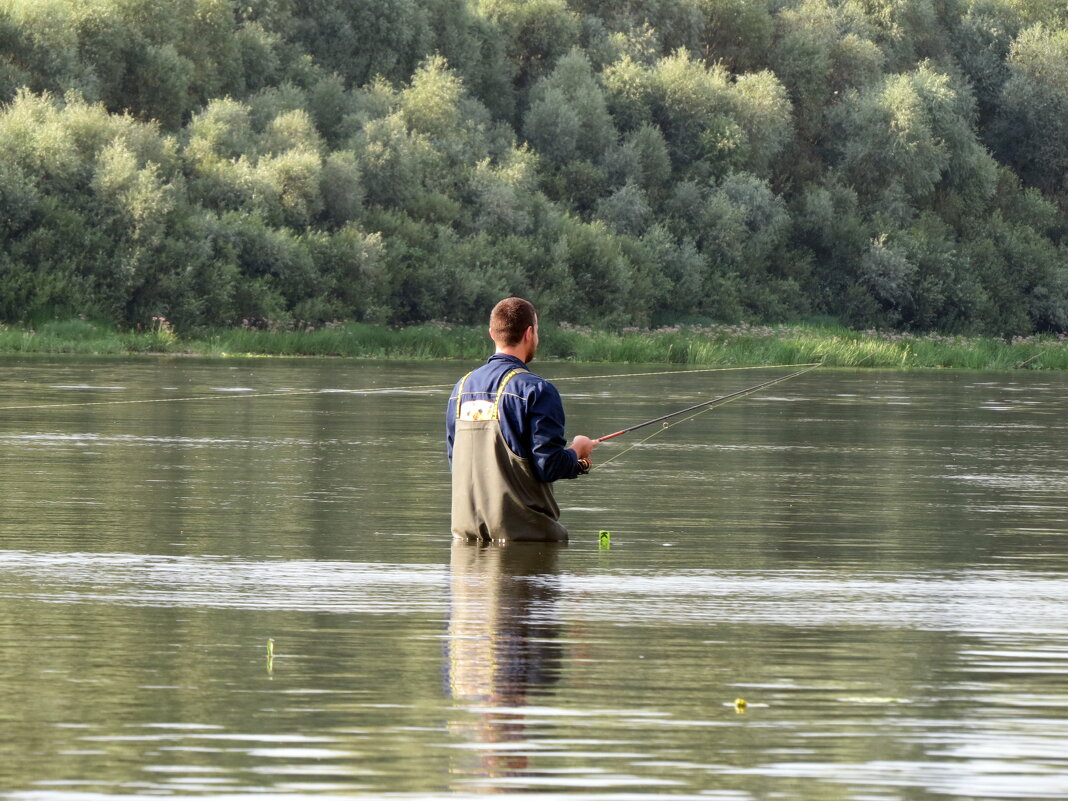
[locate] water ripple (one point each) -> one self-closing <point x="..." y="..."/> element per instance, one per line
<point x="979" y="601"/>
<point x="129" y="579"/>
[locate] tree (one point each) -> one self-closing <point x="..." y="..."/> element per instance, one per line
<point x="642" y="159"/>
<point x="908" y="31"/>
<point x="671" y="24"/>
<point x="537" y="33"/>
<point x="1031" y="132"/>
<point x="821" y="50"/>
<point x="711" y="121"/>
<point x="913" y="133"/>
<point x="625" y="211"/>
<point x="692" y="105"/>
<point x="361" y="39"/>
<point x="568" y="117"/>
<point x="737" y="33"/>
<point x="981" y="43"/>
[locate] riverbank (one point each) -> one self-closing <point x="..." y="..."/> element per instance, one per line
<point x="733" y="345"/>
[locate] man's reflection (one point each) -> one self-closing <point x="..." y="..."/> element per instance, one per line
<point x="502" y="647"/>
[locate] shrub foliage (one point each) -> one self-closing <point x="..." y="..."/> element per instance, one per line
<point x="895" y="165"/>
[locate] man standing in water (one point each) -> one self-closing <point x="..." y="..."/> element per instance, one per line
<point x="506" y="442"/>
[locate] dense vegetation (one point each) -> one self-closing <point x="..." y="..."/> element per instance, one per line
<point x="887" y="163"/>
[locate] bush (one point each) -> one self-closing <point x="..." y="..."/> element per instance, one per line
<point x="893" y="164"/>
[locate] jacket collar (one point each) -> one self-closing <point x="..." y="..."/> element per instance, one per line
<point x="504" y="357"/>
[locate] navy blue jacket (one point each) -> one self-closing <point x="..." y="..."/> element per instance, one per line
<point x="532" y="416"/>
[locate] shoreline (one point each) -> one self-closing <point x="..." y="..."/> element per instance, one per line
<point x="697" y="345"/>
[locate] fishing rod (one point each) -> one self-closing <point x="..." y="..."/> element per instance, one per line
<point x="722" y="399"/>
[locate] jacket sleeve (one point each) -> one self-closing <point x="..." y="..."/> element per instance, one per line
<point x="450" y="422"/>
<point x="551" y="457"/>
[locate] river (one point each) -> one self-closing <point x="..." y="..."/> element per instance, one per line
<point x="230" y="578"/>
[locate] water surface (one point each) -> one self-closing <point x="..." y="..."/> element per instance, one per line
<point x="874" y="561"/>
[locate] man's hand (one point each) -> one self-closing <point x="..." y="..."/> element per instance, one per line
<point x="583" y="447"/>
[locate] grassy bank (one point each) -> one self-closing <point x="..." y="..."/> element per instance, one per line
<point x="740" y="345"/>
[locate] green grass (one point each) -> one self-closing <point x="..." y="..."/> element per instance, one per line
<point x="713" y="345"/>
<point x="76" y="336"/>
<point x="835" y="346"/>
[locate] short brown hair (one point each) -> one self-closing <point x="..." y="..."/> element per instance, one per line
<point x="510" y="319"/>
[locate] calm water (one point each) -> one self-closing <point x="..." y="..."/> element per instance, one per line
<point x="876" y="562"/>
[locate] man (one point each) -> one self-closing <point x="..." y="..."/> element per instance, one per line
<point x="505" y="431"/>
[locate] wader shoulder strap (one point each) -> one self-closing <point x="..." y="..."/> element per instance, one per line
<point x="500" y="391"/>
<point x="460" y="393"/>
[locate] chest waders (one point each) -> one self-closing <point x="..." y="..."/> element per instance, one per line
<point x="495" y="494"/>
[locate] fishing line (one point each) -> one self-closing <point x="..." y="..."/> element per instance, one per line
<point x="700" y="408"/>
<point x="656" y="433"/>
<point x="1028" y="361"/>
<point x="369" y="390"/>
<point x="685" y="372"/>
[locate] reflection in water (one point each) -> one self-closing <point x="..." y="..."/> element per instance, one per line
<point x="502" y="648"/>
